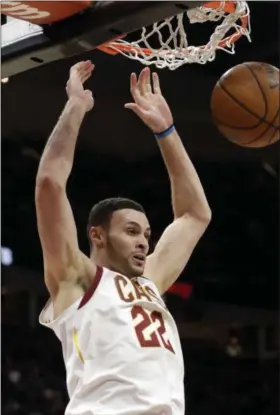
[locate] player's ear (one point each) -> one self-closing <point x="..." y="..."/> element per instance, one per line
<point x="97" y="237"/>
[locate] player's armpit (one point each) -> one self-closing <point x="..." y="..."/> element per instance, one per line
<point x="63" y="259"/>
<point x="173" y="251"/>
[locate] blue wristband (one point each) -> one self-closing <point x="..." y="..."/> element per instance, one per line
<point x="165" y="133"/>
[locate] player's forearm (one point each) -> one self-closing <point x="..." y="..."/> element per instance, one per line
<point x="58" y="155"/>
<point x="188" y="197"/>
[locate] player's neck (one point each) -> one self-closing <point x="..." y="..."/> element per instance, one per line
<point x="101" y="260"/>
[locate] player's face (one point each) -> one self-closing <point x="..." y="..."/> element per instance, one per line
<point x="128" y="242"/>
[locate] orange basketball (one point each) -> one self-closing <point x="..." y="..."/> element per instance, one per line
<point x="245" y="104"/>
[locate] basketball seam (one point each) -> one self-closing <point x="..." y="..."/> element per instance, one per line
<point x="244" y="108"/>
<point x="233" y="127"/>
<point x="219" y="84"/>
<point x="276" y="129"/>
<point x="264" y="97"/>
<point x="260" y="88"/>
<point x="265" y="131"/>
<point x="269" y="140"/>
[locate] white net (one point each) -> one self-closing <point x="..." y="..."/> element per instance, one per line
<point x="174" y="50"/>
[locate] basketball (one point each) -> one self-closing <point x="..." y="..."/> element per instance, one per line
<point x="245" y="104"/>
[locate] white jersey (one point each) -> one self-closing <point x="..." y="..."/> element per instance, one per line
<point x="121" y="349"/>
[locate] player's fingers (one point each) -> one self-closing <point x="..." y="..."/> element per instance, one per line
<point x="89" y="94"/>
<point x="86" y="67"/>
<point x="148" y="82"/>
<point x="76" y="69"/>
<point x="156" y="83"/>
<point x="86" y="74"/>
<point x="134" y="89"/>
<point x="139" y="99"/>
<point x="136" y="109"/>
<point x="81" y="68"/>
<point x="88" y="63"/>
<point x="144" y="82"/>
<point x="133" y="85"/>
<point x="141" y="81"/>
<point x="84" y="77"/>
<point x="133" y="81"/>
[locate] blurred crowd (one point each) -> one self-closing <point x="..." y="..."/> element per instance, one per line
<point x="230" y="386"/>
<point x="33" y="379"/>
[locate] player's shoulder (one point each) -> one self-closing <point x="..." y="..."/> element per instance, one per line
<point x="88" y="271"/>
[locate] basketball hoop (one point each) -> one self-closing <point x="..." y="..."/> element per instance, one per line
<point x="174" y="50"/>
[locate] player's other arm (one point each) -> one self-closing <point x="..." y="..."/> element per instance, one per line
<point x="63" y="261"/>
<point x="192" y="213"/>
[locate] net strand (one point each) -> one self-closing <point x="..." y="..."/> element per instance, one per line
<point x="174" y="50"/>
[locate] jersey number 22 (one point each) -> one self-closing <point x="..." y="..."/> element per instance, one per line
<point x="150" y="328"/>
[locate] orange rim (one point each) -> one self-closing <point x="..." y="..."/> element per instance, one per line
<point x="229" y="7"/>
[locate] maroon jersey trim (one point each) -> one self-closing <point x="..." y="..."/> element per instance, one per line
<point x="89" y="293"/>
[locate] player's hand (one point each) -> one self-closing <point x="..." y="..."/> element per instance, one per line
<point x="149" y="104"/>
<point x="79" y="74"/>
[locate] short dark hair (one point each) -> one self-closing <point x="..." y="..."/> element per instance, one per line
<point x="101" y="213"/>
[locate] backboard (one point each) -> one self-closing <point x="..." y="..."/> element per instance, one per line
<point x="44" y="31"/>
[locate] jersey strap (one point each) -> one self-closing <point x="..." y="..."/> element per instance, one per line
<point x="89" y="293"/>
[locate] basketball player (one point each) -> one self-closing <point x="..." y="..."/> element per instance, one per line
<point x="120" y="344"/>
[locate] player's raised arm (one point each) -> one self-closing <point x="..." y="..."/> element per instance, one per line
<point x="57" y="231"/>
<point x="192" y="213"/>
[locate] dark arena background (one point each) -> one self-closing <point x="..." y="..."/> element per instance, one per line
<point x="226" y="302"/>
